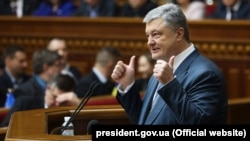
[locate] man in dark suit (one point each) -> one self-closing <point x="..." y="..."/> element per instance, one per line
<point x="232" y="9"/>
<point x="137" y="8"/>
<point x="106" y="58"/>
<point x="59" y="45"/>
<point x="11" y="7"/>
<point x="15" y="64"/>
<point x="45" y="64"/>
<point x="185" y="88"/>
<point x="60" y="83"/>
<point x="97" y="8"/>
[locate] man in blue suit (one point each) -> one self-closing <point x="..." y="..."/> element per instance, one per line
<point x="232" y="10"/>
<point x="185" y="88"/>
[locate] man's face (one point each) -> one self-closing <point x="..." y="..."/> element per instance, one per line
<point x="60" y="47"/>
<point x="161" y="39"/>
<point x="18" y="64"/>
<point x="92" y="3"/>
<point x="229" y="3"/>
<point x="181" y="2"/>
<point x="56" y="91"/>
<point x="54" y="69"/>
<point x="136" y="3"/>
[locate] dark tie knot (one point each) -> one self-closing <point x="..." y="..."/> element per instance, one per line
<point x="233" y="14"/>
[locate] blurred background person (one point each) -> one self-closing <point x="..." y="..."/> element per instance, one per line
<point x="60" y="83"/>
<point x="45" y="64"/>
<point x="232" y="9"/>
<point x="97" y="8"/>
<point x="18" y="8"/>
<point x="55" y="8"/>
<point x="193" y="9"/>
<point x="145" y="70"/>
<point x="14" y="73"/>
<point x="105" y="61"/>
<point x="137" y="8"/>
<point x="59" y="45"/>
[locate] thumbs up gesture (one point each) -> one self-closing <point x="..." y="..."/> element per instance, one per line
<point x="123" y="73"/>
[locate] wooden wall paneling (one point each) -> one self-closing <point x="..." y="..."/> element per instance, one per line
<point x="226" y="43"/>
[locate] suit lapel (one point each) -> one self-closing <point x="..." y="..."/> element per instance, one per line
<point x="7" y="80"/>
<point x="147" y="101"/>
<point x="155" y="111"/>
<point x="149" y="117"/>
<point x="182" y="69"/>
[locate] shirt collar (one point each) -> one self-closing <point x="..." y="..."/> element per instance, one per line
<point x="41" y="82"/>
<point x="66" y="70"/>
<point x="13" y="80"/>
<point x="181" y="57"/>
<point x="237" y="5"/>
<point x="100" y="76"/>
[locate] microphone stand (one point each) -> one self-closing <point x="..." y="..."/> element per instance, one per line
<point x="81" y="105"/>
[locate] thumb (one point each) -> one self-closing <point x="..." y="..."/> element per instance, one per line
<point x="171" y="61"/>
<point x="132" y="62"/>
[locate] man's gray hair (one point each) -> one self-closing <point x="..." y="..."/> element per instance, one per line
<point x="172" y="15"/>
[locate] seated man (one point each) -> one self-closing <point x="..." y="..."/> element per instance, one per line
<point x="97" y="8"/>
<point x="14" y="72"/>
<point x="232" y="9"/>
<point x="105" y="61"/>
<point x="61" y="83"/>
<point x="46" y="64"/>
<point x="59" y="45"/>
<point x="137" y="8"/>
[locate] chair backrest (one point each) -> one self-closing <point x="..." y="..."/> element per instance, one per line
<point x="3" y="112"/>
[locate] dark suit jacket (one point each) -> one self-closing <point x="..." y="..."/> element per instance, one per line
<point x="76" y="73"/>
<point x="196" y="96"/>
<point x="29" y="96"/>
<point x="128" y="11"/>
<point x="85" y="82"/>
<point x="23" y="103"/>
<point x="242" y="13"/>
<point x="105" y="8"/>
<point x="30" y="88"/>
<point x="28" y="7"/>
<point x="5" y="83"/>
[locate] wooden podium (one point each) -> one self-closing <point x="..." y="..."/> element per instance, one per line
<point x="38" y="125"/>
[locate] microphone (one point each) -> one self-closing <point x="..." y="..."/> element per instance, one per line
<point x="89" y="127"/>
<point x="84" y="101"/>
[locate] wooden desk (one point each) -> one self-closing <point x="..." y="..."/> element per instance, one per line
<point x="36" y="125"/>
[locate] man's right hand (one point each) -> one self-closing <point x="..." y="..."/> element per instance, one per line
<point x="124" y="74"/>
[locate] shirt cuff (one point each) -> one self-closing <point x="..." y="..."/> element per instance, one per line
<point x="123" y="92"/>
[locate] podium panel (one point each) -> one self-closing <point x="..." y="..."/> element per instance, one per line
<point x="39" y="124"/>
